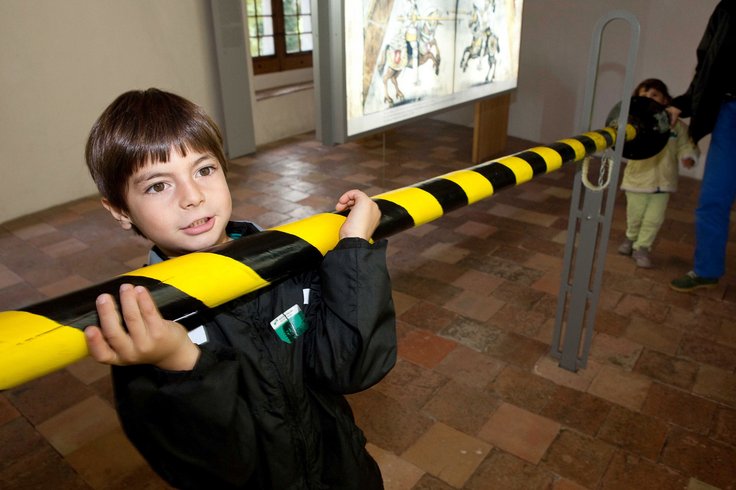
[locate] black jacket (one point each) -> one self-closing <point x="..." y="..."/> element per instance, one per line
<point x="714" y="74"/>
<point x="258" y="412"/>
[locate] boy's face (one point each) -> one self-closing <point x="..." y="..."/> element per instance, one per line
<point x="654" y="94"/>
<point x="182" y="205"/>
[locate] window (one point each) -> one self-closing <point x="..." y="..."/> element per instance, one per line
<point x="280" y="33"/>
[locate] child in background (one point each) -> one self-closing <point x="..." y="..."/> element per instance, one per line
<point x="234" y="406"/>
<point x="648" y="183"/>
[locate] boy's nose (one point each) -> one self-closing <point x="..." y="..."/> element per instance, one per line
<point x="191" y="195"/>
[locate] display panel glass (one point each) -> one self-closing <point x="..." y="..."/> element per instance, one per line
<point x="407" y="58"/>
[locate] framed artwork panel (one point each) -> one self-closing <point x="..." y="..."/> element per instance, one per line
<point x="396" y="60"/>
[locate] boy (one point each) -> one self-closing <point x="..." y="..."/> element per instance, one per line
<point x="240" y="408"/>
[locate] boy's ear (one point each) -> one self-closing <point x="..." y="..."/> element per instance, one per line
<point x="121" y="216"/>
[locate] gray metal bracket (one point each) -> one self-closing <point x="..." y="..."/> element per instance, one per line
<point x="591" y="213"/>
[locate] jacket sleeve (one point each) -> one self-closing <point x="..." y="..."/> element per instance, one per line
<point x="713" y="68"/>
<point x="191" y="427"/>
<point x="351" y="344"/>
<point x="686" y="148"/>
<point x="684" y="102"/>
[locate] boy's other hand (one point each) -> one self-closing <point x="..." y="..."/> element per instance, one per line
<point x="149" y="339"/>
<point x="364" y="215"/>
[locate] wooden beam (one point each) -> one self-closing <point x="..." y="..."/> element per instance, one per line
<point x="490" y="126"/>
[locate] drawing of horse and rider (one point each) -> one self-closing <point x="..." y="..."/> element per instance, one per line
<point x="484" y="44"/>
<point x="412" y="46"/>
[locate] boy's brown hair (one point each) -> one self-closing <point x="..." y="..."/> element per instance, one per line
<point x="142" y="126"/>
<point x="656" y="84"/>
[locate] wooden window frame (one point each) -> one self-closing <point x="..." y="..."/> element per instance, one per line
<point x="281" y="61"/>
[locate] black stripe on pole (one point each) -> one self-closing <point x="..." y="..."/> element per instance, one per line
<point x="588" y="143"/>
<point x="535" y="160"/>
<point x="450" y="195"/>
<point x="606" y="135"/>
<point x="566" y="151"/>
<point x="498" y="174"/>
<point x="394" y="219"/>
<point x="272" y="253"/>
<point x="76" y="309"/>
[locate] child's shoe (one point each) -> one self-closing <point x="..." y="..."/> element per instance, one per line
<point x="626" y="247"/>
<point x="641" y="257"/>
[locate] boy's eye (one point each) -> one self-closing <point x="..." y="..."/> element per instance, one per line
<point x="155" y="188"/>
<point x="205" y="171"/>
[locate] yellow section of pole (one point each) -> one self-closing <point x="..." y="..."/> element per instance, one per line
<point x="32" y="346"/>
<point x="213" y="279"/>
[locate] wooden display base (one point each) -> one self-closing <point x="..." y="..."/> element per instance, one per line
<point x="490" y="126"/>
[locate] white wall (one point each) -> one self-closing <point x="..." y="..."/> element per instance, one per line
<point x="283" y="116"/>
<point x="556" y="37"/>
<point x="287" y="115"/>
<point x="671" y="36"/>
<point x="64" y="61"/>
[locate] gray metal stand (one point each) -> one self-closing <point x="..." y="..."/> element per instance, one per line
<point x="590" y="220"/>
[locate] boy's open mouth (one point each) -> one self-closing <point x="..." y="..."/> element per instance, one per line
<point x="199" y="222"/>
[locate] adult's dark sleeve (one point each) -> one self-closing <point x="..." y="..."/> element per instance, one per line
<point x="192" y="427"/>
<point x="351" y="344"/>
<point x="714" y="74"/>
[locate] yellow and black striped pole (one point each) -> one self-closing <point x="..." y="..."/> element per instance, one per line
<point x="47" y="336"/>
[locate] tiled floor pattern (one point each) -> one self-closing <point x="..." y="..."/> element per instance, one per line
<point x="475" y="401"/>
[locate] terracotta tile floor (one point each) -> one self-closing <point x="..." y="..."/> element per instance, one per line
<point x="475" y="401"/>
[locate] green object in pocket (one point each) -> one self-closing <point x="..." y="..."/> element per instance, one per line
<point x="290" y="324"/>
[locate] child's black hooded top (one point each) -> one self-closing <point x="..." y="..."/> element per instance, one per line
<point x="259" y="412"/>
